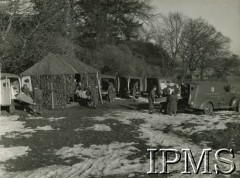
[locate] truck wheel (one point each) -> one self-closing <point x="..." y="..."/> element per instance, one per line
<point x="208" y="110"/>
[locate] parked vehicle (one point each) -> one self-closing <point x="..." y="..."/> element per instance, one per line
<point x="207" y="96"/>
<point x="160" y="83"/>
<point x="104" y="82"/>
<point x="11" y="89"/>
<point x="126" y="83"/>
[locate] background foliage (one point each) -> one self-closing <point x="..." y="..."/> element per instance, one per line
<point x="118" y="37"/>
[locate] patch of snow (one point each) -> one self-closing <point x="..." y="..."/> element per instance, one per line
<point x="45" y="128"/>
<point x="55" y="118"/>
<point x="12" y="152"/>
<point x="34" y="118"/>
<point x="99" y="118"/>
<point x="101" y="127"/>
<point x="10" y="124"/>
<point x="51" y="119"/>
<point x="96" y="127"/>
<point x="102" y="160"/>
<point x="112" y="159"/>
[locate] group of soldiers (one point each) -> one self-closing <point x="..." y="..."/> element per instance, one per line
<point x="170" y="106"/>
<point x="90" y="95"/>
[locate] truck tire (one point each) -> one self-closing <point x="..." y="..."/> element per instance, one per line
<point x="208" y="110"/>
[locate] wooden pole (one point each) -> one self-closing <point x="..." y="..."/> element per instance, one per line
<point x="99" y="88"/>
<point x="87" y="79"/>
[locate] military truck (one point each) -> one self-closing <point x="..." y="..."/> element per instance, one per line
<point x="209" y="96"/>
<point x="160" y="83"/>
<point x="10" y="86"/>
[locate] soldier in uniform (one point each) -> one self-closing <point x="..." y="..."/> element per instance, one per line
<point x="173" y="99"/>
<point x="166" y="93"/>
<point x="111" y="92"/>
<point x="38" y="99"/>
<point x="27" y="92"/>
<point x="134" y="90"/>
<point x="94" y="96"/>
<point x="151" y="99"/>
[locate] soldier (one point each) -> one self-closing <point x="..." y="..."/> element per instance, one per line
<point x="111" y="92"/>
<point x="173" y="103"/>
<point x="134" y="90"/>
<point x="26" y="90"/>
<point x="151" y="99"/>
<point x="166" y="93"/>
<point x="38" y="99"/>
<point x="94" y="96"/>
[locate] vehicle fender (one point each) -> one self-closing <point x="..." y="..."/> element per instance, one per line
<point x="202" y="106"/>
<point x="234" y="102"/>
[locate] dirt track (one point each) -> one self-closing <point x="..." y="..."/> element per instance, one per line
<point x="110" y="141"/>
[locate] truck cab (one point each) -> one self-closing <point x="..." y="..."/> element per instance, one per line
<point x="11" y="89"/>
<point x="207" y="96"/>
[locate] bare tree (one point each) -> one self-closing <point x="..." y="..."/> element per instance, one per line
<point x="201" y="43"/>
<point x="167" y="33"/>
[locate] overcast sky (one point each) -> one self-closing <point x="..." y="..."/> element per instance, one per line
<point x="223" y="14"/>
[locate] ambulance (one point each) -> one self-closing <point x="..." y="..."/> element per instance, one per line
<point x="10" y="90"/>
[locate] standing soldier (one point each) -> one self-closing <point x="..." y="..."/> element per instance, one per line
<point x="38" y="99"/>
<point x="151" y="99"/>
<point x="27" y="92"/>
<point x="111" y="92"/>
<point x="94" y="96"/>
<point x="173" y="99"/>
<point x="135" y="88"/>
<point x="74" y="87"/>
<point x="166" y="93"/>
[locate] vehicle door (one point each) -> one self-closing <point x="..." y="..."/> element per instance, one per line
<point x="5" y="97"/>
<point x="218" y="95"/>
<point x="192" y="95"/>
<point x="27" y="80"/>
<point x="228" y="95"/>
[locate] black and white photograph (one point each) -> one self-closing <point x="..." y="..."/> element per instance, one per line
<point x="119" y="88"/>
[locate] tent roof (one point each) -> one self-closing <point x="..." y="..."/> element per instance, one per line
<point x="80" y="66"/>
<point x="55" y="64"/>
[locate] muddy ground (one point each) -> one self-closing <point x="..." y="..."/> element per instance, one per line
<point x="111" y="141"/>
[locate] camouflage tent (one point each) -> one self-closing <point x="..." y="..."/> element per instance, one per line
<point x="55" y="64"/>
<point x="55" y="74"/>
